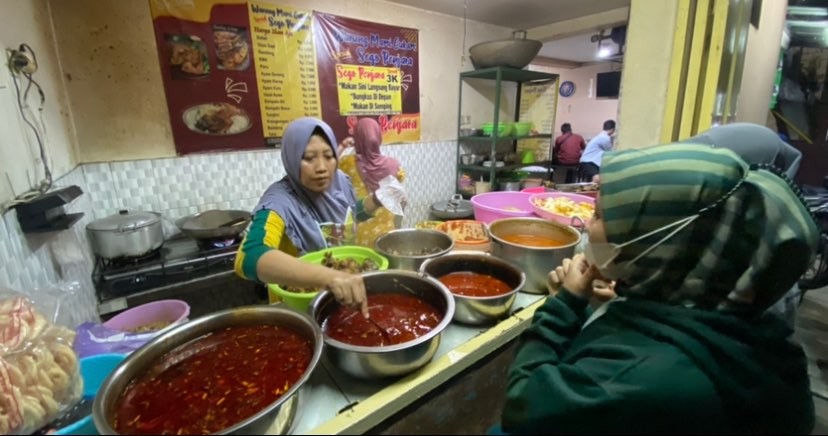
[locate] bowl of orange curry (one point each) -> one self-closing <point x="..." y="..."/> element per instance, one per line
<point x="484" y="287"/>
<point x="408" y="313"/>
<point x="536" y="245"/>
<point x="234" y="371"/>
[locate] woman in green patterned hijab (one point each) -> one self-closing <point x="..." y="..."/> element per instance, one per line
<point x="700" y="245"/>
<point x="747" y="238"/>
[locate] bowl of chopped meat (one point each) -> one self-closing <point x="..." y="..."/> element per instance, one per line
<point x="409" y="248"/>
<point x="352" y="259"/>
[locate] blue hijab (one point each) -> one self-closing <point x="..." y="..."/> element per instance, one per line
<point x="302" y="210"/>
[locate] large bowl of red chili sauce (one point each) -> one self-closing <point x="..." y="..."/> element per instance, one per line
<point x="238" y="371"/>
<point x="484" y="287"/>
<point x="408" y="313"/>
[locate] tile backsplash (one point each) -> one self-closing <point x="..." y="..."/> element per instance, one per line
<point x="177" y="187"/>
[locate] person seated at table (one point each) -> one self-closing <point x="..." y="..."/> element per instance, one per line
<point x="700" y="245"/>
<point x="567" y="150"/>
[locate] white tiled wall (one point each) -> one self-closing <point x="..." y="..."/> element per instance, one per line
<point x="52" y="267"/>
<point x="176" y="187"/>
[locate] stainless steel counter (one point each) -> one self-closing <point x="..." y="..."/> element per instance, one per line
<point x="335" y="403"/>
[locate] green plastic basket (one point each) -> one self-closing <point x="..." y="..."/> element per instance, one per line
<point x="301" y="300"/>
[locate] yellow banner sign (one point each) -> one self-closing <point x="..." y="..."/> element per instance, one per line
<point x="367" y="90"/>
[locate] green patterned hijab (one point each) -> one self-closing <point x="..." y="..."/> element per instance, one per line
<point x="744" y="252"/>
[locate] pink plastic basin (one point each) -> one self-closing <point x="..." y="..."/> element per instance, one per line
<point x="171" y="311"/>
<point x="492" y="206"/>
<point x="534" y="190"/>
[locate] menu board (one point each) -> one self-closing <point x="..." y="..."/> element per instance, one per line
<point x="236" y="72"/>
<point x="538" y="103"/>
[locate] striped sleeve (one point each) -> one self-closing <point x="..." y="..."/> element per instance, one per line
<point x="266" y="232"/>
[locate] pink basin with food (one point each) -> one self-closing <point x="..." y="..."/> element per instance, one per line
<point x="491" y="206"/>
<point x="150" y="317"/>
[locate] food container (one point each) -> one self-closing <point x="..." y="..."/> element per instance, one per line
<point x="275" y="418"/>
<point x="155" y="316"/>
<point x="94" y="369"/>
<point x="467" y="234"/>
<point x="492" y="206"/>
<point x="471" y="159"/>
<point x="455" y="208"/>
<point x="301" y="300"/>
<point x="563" y="219"/>
<point x="394" y="360"/>
<point x="409" y="248"/>
<point x="481" y="187"/>
<point x="428" y="224"/>
<point x="521" y="128"/>
<point x="588" y="189"/>
<point x="478" y="310"/>
<point x="536" y="262"/>
<point x="516" y="52"/>
<point x="126" y="234"/>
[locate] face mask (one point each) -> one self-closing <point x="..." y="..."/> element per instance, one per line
<point x="603" y="254"/>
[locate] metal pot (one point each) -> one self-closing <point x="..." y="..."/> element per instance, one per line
<point x="478" y="310"/>
<point x="453" y="209"/>
<point x="275" y="418"/>
<point x="404" y="248"/>
<point x="126" y="234"/>
<point x="393" y="360"/>
<point x="536" y="262"/>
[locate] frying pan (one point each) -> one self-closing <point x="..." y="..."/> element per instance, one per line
<point x="214" y="224"/>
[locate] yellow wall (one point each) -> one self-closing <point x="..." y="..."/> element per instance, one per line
<point x="645" y="74"/>
<point x="761" y="59"/>
<point x="108" y="49"/>
<point x="29" y="21"/>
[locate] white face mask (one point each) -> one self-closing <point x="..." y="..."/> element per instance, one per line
<point x="603" y="254"/>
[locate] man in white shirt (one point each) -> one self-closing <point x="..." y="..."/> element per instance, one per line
<point x="591" y="158"/>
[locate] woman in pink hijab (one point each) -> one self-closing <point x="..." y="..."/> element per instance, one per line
<point x="372" y="165"/>
<point x="367" y="166"/>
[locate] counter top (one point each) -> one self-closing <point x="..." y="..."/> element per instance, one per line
<point x="332" y="402"/>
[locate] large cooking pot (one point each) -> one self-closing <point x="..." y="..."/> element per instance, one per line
<point x="126" y="234"/>
<point x="275" y="418"/>
<point x="536" y="262"/>
<point x="454" y="209"/>
<point x="215" y="224"/>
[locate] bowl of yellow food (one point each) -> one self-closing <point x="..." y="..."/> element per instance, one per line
<point x="563" y="207"/>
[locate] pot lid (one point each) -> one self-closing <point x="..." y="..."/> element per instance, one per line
<point x="455" y="205"/>
<point x="125" y="220"/>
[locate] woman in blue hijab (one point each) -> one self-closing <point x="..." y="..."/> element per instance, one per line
<point x="286" y="222"/>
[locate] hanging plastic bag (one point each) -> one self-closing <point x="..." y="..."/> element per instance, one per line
<point x="39" y="370"/>
<point x="94" y="338"/>
<point x="391" y="194"/>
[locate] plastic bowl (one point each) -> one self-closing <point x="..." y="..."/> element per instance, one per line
<point x="173" y="312"/>
<point x="492" y="206"/>
<point x="521" y="129"/>
<point x="94" y="370"/>
<point x="563" y="219"/>
<point x="301" y="300"/>
<point x="503" y="129"/>
<point x="534" y="190"/>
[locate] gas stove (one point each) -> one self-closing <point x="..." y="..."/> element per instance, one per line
<point x="196" y="271"/>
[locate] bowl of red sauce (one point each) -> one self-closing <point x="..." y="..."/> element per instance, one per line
<point x="408" y="313"/>
<point x="238" y="371"/>
<point x="484" y="287"/>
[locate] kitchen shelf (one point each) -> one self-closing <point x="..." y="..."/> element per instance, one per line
<point x="504" y="168"/>
<point x="502" y="138"/>
<point x="500" y="75"/>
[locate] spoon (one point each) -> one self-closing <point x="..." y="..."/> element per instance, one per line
<point x="383" y="332"/>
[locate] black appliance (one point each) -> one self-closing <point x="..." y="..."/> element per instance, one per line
<point x="199" y="272"/>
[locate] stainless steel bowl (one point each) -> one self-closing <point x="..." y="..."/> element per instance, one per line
<point x="515" y="53"/>
<point x="536" y="262"/>
<point x="393" y="360"/>
<point x="402" y="246"/>
<point x="276" y="418"/>
<point x="478" y="310"/>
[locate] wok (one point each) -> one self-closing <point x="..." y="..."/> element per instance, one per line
<point x="215" y="224"/>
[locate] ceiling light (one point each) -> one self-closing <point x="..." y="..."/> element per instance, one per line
<point x="604" y="52"/>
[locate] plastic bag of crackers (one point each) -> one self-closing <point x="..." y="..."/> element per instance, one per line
<point x="39" y="375"/>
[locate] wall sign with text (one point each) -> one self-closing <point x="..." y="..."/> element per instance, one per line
<point x="236" y="72"/>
